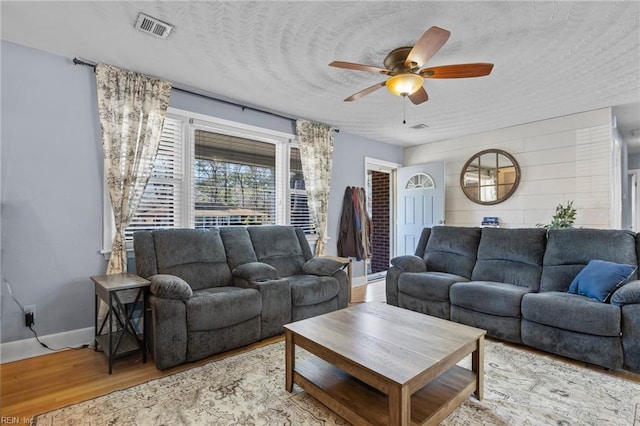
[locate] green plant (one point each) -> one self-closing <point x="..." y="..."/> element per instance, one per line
<point x="564" y="217"/>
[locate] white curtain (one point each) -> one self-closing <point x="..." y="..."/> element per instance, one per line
<point x="316" y="149"/>
<point x="132" y="108"/>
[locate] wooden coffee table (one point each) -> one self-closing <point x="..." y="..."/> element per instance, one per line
<point x="382" y="365"/>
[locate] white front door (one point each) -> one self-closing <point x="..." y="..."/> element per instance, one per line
<point x="420" y="191"/>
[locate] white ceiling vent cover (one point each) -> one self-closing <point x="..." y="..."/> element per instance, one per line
<point x="149" y="25"/>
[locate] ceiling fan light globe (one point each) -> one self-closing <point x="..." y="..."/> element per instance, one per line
<point x="404" y="84"/>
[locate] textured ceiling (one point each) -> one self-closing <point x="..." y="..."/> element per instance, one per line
<point x="551" y="58"/>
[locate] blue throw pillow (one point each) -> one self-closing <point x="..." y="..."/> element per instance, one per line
<point x="599" y="279"/>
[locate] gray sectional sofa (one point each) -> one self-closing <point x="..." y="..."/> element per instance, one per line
<point x="514" y="283"/>
<point x="218" y="289"/>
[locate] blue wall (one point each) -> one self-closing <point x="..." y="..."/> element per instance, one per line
<point x="349" y="154"/>
<point x="51" y="176"/>
<point x="51" y="191"/>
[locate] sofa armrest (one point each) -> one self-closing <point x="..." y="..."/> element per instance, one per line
<point x="255" y="271"/>
<point x="409" y="263"/>
<point x="400" y="265"/>
<point x="628" y="294"/>
<point x="168" y="286"/>
<point x="166" y="334"/>
<point x="322" y="266"/>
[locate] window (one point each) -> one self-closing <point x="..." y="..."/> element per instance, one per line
<point x="420" y="181"/>
<point x="211" y="172"/>
<point x="234" y="181"/>
<point x="160" y="206"/>
<point x="299" y="209"/>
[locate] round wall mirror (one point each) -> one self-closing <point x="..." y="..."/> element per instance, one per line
<point x="490" y="177"/>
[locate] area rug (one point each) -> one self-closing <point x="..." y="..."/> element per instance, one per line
<point x="521" y="388"/>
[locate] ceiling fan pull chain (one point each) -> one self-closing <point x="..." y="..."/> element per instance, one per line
<point x="404" y="110"/>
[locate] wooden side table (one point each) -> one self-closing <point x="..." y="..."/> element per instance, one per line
<point x="125" y="339"/>
<point x="345" y="261"/>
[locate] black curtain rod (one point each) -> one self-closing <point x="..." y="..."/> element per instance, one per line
<point x="78" y="61"/>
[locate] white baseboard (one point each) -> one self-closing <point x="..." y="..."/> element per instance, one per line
<point x="28" y="348"/>
<point x="358" y="281"/>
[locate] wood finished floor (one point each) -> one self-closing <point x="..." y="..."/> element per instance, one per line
<point x="47" y="382"/>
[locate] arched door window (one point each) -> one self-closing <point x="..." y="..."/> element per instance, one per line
<point x="420" y="181"/>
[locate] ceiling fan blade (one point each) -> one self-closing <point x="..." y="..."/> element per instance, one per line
<point x="457" y="71"/>
<point x="426" y="46"/>
<point x="358" y="67"/>
<point x="364" y="92"/>
<point x="419" y="96"/>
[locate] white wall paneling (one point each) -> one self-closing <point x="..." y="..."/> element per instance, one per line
<point x="561" y="159"/>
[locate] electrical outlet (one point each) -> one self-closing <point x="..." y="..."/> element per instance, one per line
<point x="29" y="315"/>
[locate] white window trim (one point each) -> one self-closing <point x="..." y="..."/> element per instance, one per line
<point x="391" y="168"/>
<point x="201" y="121"/>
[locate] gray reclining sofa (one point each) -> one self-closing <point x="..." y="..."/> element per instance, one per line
<point x="218" y="289"/>
<point x="514" y="284"/>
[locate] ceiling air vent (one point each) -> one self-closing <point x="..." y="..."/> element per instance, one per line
<point x="419" y="126"/>
<point x="149" y="25"/>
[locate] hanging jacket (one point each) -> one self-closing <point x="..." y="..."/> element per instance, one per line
<point x="357" y="218"/>
<point x="349" y="241"/>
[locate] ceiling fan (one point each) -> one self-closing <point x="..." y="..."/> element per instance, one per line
<point x="402" y="66"/>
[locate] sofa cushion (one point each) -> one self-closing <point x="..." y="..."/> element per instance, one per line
<point x="237" y="244"/>
<point x="452" y="249"/>
<point x="196" y="256"/>
<point x="511" y="256"/>
<point x="569" y="250"/>
<point x="219" y="307"/>
<point x="312" y="289"/>
<point x="599" y="279"/>
<point x="572" y="312"/>
<point x="428" y="285"/>
<point x="279" y="247"/>
<point x="169" y="287"/>
<point x="489" y="297"/>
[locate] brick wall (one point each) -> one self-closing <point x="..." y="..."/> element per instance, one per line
<point x="380" y="219"/>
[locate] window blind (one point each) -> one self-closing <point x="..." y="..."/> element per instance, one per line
<point x="299" y="209"/>
<point x="160" y="204"/>
<point x="222" y="179"/>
